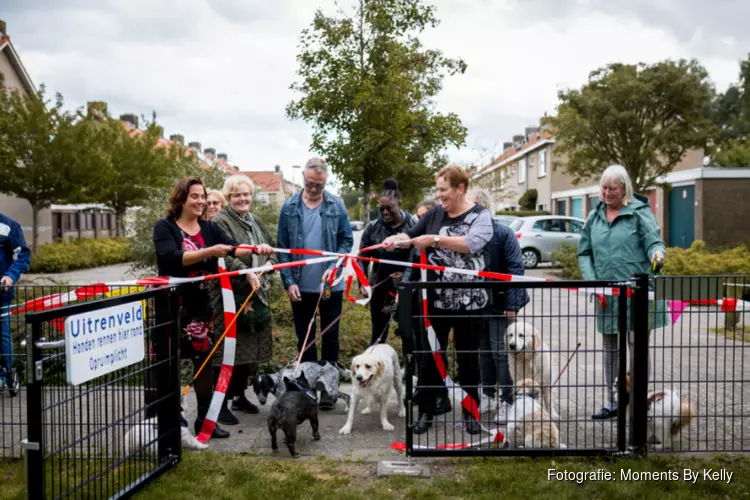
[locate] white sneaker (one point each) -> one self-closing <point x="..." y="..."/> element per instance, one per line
<point x="486" y="403"/>
<point x="502" y="414"/>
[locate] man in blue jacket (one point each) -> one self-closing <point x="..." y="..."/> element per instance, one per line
<point x="505" y="257"/>
<point x="14" y="261"/>
<point x="314" y="219"/>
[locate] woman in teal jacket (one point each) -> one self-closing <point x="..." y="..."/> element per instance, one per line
<point x="620" y="238"/>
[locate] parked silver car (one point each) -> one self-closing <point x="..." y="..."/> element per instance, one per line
<point x="539" y="236"/>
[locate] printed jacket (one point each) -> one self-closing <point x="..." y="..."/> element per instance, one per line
<point x="16" y="255"/>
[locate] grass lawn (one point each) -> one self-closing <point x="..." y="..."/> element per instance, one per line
<point x="210" y="475"/>
<point x="740" y="332"/>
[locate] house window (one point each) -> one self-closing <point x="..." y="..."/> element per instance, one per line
<point x="502" y="178"/>
<point x="522" y="170"/>
<point x="531" y="161"/>
<point x="262" y="197"/>
<point x="542" y="163"/>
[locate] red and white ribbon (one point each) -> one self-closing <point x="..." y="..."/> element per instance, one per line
<point x="230" y="347"/>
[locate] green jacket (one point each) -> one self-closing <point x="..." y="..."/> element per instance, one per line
<point x="618" y="250"/>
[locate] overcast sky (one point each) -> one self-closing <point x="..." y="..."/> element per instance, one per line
<point x="218" y="71"/>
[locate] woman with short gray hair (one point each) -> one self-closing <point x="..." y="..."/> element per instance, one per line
<point x="620" y="238"/>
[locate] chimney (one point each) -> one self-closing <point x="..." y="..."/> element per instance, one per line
<point x="507" y="146"/>
<point x="277" y="169"/>
<point x="178" y="138"/>
<point x="195" y="145"/>
<point x="97" y="109"/>
<point x="210" y="151"/>
<point x="518" y="140"/>
<point x="530" y="131"/>
<point x="222" y="156"/>
<point x="130" y="119"/>
<point x="3" y="28"/>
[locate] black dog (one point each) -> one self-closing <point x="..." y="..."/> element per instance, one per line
<point x="297" y="404"/>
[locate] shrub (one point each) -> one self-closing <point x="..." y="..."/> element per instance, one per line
<point x="522" y="213"/>
<point x="528" y="199"/>
<point x="566" y="257"/>
<point x="81" y="253"/>
<point x="697" y="260"/>
<point x="694" y="261"/>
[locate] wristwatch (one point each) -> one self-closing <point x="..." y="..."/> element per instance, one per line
<point x="437" y="241"/>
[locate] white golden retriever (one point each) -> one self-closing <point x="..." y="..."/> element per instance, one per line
<point x="374" y="373"/>
<point x="529" y="424"/>
<point x="528" y="357"/>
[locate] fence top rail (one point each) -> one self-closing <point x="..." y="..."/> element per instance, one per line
<point x="93" y="305"/>
<point x="410" y="285"/>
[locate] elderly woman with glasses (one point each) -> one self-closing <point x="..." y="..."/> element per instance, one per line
<point x="215" y="203"/>
<point x="254" y="338"/>
<point x="620" y="238"/>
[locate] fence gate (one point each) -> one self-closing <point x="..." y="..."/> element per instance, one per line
<point x="113" y="428"/>
<point x="565" y="322"/>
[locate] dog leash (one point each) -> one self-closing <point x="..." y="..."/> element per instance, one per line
<point x="566" y="364"/>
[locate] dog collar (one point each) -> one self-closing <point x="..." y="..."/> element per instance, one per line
<point x="528" y="395"/>
<point x="307" y="392"/>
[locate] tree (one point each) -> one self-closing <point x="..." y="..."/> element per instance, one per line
<point x="44" y="153"/>
<point x="643" y="117"/>
<point x="368" y="87"/>
<point x="527" y="201"/>
<point x="730" y="113"/>
<point x="135" y="166"/>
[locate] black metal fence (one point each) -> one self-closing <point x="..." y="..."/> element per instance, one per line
<point x="679" y="387"/>
<point x="107" y="436"/>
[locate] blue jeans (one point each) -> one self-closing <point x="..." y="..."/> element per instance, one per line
<point x="493" y="359"/>
<point x="6" y="342"/>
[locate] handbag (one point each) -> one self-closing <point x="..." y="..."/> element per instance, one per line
<point x="260" y="314"/>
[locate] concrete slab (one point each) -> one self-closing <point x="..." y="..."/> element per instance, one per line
<point x="403" y="468"/>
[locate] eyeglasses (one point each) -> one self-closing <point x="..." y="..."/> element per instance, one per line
<point x="386" y="208"/>
<point x="312" y="185"/>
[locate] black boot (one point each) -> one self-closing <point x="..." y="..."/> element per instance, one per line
<point x="424" y="423"/>
<point x="471" y="425"/>
<point x="218" y="433"/>
<point x="243" y="404"/>
<point x="443" y="405"/>
<point x="226" y="417"/>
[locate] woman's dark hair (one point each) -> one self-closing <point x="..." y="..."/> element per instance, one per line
<point x="390" y="190"/>
<point x="179" y="194"/>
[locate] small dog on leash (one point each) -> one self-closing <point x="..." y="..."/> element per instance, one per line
<point x="529" y="424"/>
<point x="376" y="372"/>
<point x="669" y="412"/>
<point x="298" y="403"/>
<point x="320" y="375"/>
<point x="146" y="433"/>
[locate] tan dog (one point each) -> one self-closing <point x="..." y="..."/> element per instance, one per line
<point x="374" y="374"/>
<point x="529" y="424"/>
<point x="528" y="357"/>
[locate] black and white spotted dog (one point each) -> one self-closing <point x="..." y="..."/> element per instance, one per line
<point x="321" y="375"/>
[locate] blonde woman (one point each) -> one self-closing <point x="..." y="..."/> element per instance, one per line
<point x="254" y="339"/>
<point x="215" y="203"/>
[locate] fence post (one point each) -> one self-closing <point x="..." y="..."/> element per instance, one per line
<point x="622" y="354"/>
<point x="166" y="341"/>
<point x="405" y="325"/>
<point x="33" y="445"/>
<point x="639" y="324"/>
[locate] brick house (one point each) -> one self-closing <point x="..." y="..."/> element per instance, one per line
<point x="682" y="212"/>
<point x="271" y="186"/>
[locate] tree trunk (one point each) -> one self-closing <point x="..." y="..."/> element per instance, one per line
<point x="120" y="222"/>
<point x="366" y="204"/>
<point x="34" y="227"/>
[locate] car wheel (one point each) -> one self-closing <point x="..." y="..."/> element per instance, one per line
<point x="530" y="258"/>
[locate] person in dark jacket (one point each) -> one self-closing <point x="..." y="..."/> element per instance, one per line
<point x="188" y="246"/>
<point x="392" y="220"/>
<point x="14" y="261"/>
<point x="505" y="257"/>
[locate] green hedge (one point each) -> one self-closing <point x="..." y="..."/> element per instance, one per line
<point x="694" y="261"/>
<point x="522" y="213"/>
<point x="81" y="253"/>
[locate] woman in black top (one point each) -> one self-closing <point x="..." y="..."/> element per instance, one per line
<point x="188" y="246"/>
<point x="392" y="220"/>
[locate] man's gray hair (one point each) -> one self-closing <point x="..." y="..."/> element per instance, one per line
<point x="316" y="163"/>
<point x="481" y="197"/>
<point x="619" y="174"/>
